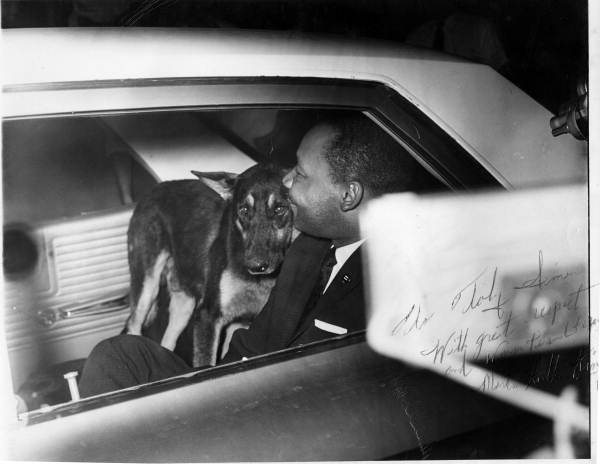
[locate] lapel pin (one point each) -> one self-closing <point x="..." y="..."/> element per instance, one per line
<point x="346" y="279"/>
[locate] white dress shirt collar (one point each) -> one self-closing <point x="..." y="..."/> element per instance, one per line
<point x="341" y="256"/>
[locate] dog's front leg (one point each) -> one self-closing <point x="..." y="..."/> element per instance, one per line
<point x="147" y="299"/>
<point x="207" y="331"/>
<point x="181" y="308"/>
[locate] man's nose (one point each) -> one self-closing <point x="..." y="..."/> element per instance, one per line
<point x="288" y="179"/>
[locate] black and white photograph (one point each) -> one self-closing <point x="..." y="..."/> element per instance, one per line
<point x="299" y="230"/>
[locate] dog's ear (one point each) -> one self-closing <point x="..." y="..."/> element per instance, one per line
<point x="221" y="182"/>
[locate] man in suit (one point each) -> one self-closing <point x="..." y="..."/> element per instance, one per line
<point x="341" y="164"/>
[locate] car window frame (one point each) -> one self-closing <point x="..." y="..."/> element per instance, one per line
<point x="435" y="149"/>
<point x="428" y="143"/>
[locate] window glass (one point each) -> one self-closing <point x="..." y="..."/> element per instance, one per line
<point x="63" y="167"/>
<point x="60" y="171"/>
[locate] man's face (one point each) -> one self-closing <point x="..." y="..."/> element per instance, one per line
<point x="315" y="198"/>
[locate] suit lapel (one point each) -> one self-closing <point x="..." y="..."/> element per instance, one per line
<point x="346" y="280"/>
<point x="296" y="281"/>
<point x="348" y="277"/>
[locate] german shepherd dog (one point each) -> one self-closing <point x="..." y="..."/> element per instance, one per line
<point x="210" y="247"/>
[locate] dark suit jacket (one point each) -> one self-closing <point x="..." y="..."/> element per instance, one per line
<point x="278" y="325"/>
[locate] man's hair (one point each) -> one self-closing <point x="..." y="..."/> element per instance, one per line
<point x="361" y="151"/>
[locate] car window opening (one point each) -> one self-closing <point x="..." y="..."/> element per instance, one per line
<point x="96" y="168"/>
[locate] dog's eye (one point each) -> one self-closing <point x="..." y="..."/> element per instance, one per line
<point x="280" y="210"/>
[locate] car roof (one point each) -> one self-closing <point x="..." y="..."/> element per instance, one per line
<point x="497" y="123"/>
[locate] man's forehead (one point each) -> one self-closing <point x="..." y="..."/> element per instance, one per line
<point x="315" y="140"/>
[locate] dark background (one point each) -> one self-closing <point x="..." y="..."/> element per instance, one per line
<point x="545" y="41"/>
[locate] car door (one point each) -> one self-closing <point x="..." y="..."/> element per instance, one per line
<point x="447" y="164"/>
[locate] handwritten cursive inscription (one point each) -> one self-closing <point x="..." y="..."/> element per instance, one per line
<point x="481" y="296"/>
<point x="413" y="320"/>
<point x="539" y="280"/>
<point x="492" y="382"/>
<point x="495" y="315"/>
<point x="455" y="343"/>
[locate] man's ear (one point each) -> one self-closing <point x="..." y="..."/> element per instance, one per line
<point x="221" y="182"/>
<point x="352" y="195"/>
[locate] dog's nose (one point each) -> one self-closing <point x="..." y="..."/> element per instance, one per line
<point x="259" y="268"/>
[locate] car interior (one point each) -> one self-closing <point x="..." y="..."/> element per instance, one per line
<point x="70" y="186"/>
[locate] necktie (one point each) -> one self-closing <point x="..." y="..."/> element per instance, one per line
<point x="326" y="268"/>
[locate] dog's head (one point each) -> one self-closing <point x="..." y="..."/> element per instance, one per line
<point x="262" y="221"/>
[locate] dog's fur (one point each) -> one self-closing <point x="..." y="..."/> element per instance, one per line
<point x="214" y="254"/>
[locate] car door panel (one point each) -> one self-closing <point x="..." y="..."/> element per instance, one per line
<point x="77" y="295"/>
<point x="333" y="400"/>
